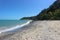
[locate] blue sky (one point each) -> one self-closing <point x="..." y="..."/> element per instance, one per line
<point x="16" y="9"/>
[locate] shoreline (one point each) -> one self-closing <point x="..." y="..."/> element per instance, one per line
<point x="37" y="30"/>
<point x="15" y="28"/>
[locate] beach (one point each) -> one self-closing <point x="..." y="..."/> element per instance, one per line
<point x="36" y="30"/>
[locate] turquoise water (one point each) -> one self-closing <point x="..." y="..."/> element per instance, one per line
<point x="6" y="24"/>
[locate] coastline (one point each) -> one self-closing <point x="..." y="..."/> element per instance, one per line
<point x="14" y="29"/>
<point x="37" y="30"/>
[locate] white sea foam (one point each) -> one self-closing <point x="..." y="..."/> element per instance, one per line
<point x="16" y="27"/>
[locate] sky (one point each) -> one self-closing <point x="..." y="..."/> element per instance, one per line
<point x="16" y="9"/>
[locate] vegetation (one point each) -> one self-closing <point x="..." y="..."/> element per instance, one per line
<point x="51" y="13"/>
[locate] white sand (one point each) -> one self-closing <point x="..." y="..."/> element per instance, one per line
<point x="38" y="30"/>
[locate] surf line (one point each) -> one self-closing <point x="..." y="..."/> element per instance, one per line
<point x="18" y="26"/>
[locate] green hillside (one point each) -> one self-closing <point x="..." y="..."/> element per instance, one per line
<point x="51" y="13"/>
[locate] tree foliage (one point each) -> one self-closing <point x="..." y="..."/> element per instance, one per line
<point x="51" y="13"/>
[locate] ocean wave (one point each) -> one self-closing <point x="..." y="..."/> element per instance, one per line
<point x="16" y="27"/>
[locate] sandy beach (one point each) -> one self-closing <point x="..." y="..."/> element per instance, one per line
<point x="37" y="30"/>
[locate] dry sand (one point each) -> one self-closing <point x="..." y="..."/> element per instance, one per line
<point x="38" y="30"/>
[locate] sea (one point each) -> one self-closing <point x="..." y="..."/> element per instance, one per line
<point x="10" y="25"/>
